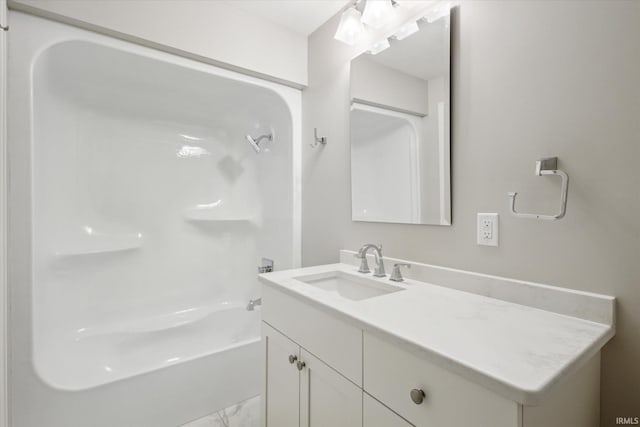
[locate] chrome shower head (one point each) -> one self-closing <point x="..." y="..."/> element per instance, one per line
<point x="255" y="143"/>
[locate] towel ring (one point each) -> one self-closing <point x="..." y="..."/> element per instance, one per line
<point x="547" y="166"/>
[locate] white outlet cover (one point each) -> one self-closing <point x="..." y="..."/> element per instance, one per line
<point x="487" y="229"/>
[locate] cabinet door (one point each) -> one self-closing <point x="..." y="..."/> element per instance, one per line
<point x="378" y="415"/>
<point x="282" y="380"/>
<point x="327" y="399"/>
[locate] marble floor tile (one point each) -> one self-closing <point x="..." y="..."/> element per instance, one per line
<point x="242" y="414"/>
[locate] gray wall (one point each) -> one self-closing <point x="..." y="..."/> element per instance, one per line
<point x="530" y="79"/>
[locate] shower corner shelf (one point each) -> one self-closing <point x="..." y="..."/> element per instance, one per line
<point x="212" y="215"/>
<point x="101" y="244"/>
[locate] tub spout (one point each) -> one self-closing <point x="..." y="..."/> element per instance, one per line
<point x="252" y="304"/>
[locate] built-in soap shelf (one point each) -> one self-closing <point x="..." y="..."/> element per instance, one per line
<point x="215" y="213"/>
<point x="91" y="241"/>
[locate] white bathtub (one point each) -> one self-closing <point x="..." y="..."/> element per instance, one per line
<point x="138" y="215"/>
<point x="93" y="356"/>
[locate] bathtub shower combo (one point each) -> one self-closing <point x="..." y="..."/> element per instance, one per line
<point x="146" y="189"/>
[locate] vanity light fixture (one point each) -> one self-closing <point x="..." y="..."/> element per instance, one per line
<point x="406" y="30"/>
<point x="379" y="46"/>
<point x="409" y="4"/>
<point x="350" y="28"/>
<point x="377" y="13"/>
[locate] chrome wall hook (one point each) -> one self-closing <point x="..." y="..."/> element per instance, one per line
<point x="547" y="166"/>
<point x="318" y="140"/>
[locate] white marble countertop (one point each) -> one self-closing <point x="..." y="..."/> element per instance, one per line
<point x="513" y="349"/>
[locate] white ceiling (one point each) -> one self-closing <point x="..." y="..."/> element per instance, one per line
<point x="300" y="16"/>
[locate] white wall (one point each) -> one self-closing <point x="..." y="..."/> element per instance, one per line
<point x="209" y="31"/>
<point x="530" y="79"/>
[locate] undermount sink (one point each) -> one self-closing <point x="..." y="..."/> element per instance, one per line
<point x="349" y="286"/>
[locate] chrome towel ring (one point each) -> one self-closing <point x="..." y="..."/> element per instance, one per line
<point x="547" y="166"/>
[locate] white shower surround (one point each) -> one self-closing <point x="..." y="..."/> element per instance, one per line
<point x="386" y="160"/>
<point x="138" y="215"/>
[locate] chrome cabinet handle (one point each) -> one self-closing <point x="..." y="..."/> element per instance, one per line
<point x="292" y="358"/>
<point x="417" y="396"/>
<point x="301" y="365"/>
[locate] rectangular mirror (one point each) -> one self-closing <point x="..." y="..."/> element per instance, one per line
<point x="400" y="131"/>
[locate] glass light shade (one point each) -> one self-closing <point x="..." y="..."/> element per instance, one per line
<point x="350" y="27"/>
<point x="377" y="13"/>
<point x="379" y="46"/>
<point x="406" y="30"/>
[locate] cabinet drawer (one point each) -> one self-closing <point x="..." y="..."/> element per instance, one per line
<point x="336" y="342"/>
<point x="375" y="414"/>
<point x="390" y="373"/>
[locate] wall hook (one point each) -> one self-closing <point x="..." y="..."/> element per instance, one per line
<point x="547" y="166"/>
<point x="318" y="140"/>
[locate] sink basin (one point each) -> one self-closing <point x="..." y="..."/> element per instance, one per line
<point x="348" y="286"/>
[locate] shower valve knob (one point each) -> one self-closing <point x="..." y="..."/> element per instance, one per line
<point x="301" y="365"/>
<point x="292" y="358"/>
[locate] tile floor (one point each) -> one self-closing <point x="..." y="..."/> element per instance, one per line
<point x="242" y="414"/>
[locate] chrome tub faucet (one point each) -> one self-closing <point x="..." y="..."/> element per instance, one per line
<point x="252" y="304"/>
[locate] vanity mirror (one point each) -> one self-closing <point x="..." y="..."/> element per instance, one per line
<point x="400" y="132"/>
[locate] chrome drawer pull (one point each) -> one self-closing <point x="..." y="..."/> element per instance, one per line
<point x="292" y="358"/>
<point x="417" y="396"/>
<point x="301" y="365"/>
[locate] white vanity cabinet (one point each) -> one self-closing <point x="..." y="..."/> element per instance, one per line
<point x="313" y="366"/>
<point x="303" y="391"/>
<point x="375" y="414"/>
<point x="330" y="363"/>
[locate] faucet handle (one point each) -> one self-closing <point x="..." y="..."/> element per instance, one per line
<point x="379" y="271"/>
<point x="266" y="266"/>
<point x="364" y="265"/>
<point x="396" y="275"/>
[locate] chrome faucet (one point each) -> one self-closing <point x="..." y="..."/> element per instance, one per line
<point x="253" y="302"/>
<point x="377" y="253"/>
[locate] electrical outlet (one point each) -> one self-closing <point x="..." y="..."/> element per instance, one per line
<point x="488" y="229"/>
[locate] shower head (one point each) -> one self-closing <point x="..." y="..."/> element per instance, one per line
<point x="255" y="142"/>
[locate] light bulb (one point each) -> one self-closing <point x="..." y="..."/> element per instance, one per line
<point x="350" y="27"/>
<point x="377" y="13"/>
